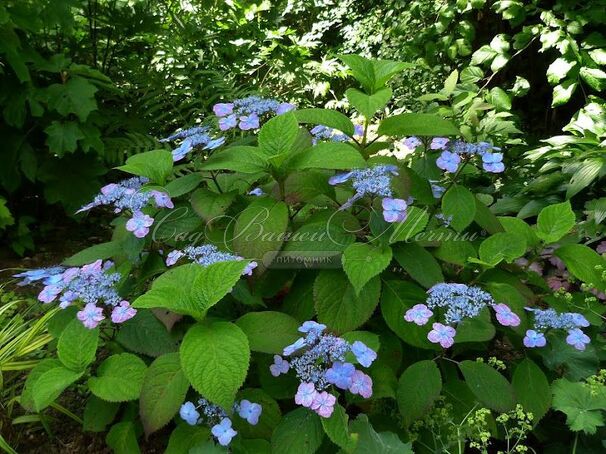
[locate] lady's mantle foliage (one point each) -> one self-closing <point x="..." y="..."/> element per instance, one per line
<point x="217" y="419"/>
<point x="318" y="360"/>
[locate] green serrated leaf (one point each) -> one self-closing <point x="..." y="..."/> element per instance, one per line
<point x="417" y="124"/>
<point x="214" y="358"/>
<point x="555" y="221"/>
<point x="156" y="165"/>
<point x="418" y="388"/>
<point x="299" y="432"/>
<point x="368" y="105"/>
<point x="119" y="378"/>
<point x="361" y="262"/>
<point x="488" y="385"/>
<point x="163" y="391"/>
<point x="337" y="304"/>
<point x="459" y="203"/>
<point x="283" y="330"/>
<point x="77" y="345"/>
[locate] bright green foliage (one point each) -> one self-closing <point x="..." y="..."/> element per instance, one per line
<point x="215" y="358"/>
<point x="583" y="406"/>
<point x="362" y="262"/>
<point x="77" y="346"/>
<point x="163" y="391"/>
<point x="256" y="324"/>
<point x="119" y="378"/>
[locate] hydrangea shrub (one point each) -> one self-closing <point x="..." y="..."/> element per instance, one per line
<point x="280" y="282"/>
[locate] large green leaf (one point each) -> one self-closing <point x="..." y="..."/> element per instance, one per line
<point x="98" y="251"/>
<point x="418" y="388"/>
<point x="279" y="134"/>
<point x="98" y="414"/>
<point x="337" y="429"/>
<point x="362" y="262"/>
<point x="156" y="165"/>
<point x="209" y="205"/>
<point x="415" y="222"/>
<point x="328" y="155"/>
<point x="62" y="137"/>
<point x="259" y="230"/>
<point x="488" y="385"/>
<point x="299" y="432"/>
<point x="50" y="384"/>
<point x="192" y="289"/>
<point x="27" y="399"/>
<point x="532" y="389"/>
<point x="502" y="246"/>
<point x="368" y="105"/>
<point x="283" y="330"/>
<point x="243" y="159"/>
<point x="337" y="304"/>
<point x="419" y="264"/>
<point x="583" y="263"/>
<point x="77" y="345"/>
<point x="135" y="334"/>
<point x="119" y="378"/>
<point x="417" y="124"/>
<point x="373" y="74"/>
<point x="214" y="358"/>
<point x="76" y="96"/>
<point x="555" y="221"/>
<point x="459" y="204"/>
<point x="399" y="296"/>
<point x="122" y="438"/>
<point x="370" y="441"/>
<point x="163" y="392"/>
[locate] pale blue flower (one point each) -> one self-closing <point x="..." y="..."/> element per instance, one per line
<point x="534" y="339"/>
<point x="189" y="413"/>
<point x="223" y="432"/>
<point x="448" y="161"/>
<point x="363" y="354"/>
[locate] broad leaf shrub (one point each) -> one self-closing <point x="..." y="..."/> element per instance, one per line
<point x="438" y="325"/>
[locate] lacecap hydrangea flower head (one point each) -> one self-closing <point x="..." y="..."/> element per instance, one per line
<point x="375" y="182"/>
<point x="206" y="255"/>
<point x="454" y="152"/>
<point x="451" y="304"/>
<point x="549" y="319"/>
<point x="248" y="113"/>
<point x="217" y="418"/>
<point x="192" y="138"/>
<point x="130" y="195"/>
<point x="319" y="361"/>
<point x="87" y="287"/>
<point x="321" y="132"/>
